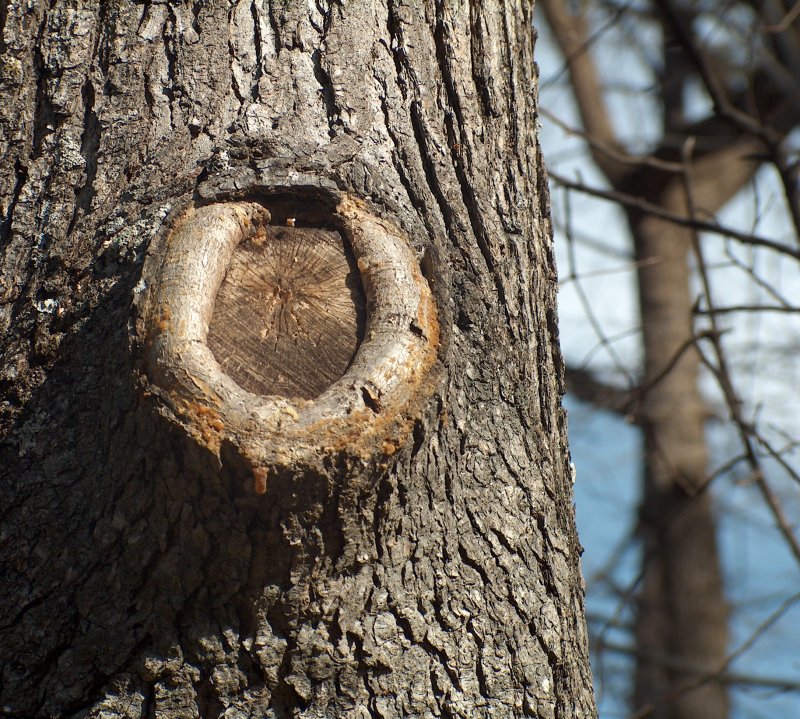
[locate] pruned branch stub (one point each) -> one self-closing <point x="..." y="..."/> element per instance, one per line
<point x="291" y="339"/>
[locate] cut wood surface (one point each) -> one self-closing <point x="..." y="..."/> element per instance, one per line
<point x="290" y="312"/>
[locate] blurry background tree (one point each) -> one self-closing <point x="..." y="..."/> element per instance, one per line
<point x="680" y="118"/>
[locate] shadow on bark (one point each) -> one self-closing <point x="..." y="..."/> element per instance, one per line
<point x="142" y="552"/>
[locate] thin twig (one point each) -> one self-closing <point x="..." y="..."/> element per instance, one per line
<point x="626" y="200"/>
<point x="723" y="375"/>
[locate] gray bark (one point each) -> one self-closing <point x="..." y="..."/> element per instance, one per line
<point x="140" y="574"/>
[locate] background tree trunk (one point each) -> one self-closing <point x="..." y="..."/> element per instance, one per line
<point x="681" y="625"/>
<point x="682" y="619"/>
<point x="141" y="576"/>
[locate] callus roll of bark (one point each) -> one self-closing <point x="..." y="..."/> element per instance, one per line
<point x="294" y="341"/>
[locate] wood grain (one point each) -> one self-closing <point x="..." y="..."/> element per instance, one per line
<point x="289" y="314"/>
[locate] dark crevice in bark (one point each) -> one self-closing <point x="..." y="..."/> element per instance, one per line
<point x="149" y="100"/>
<point x="90" y="144"/>
<point x="332" y="110"/>
<point x="27" y="607"/>
<point x="448" y="487"/>
<point x="208" y="703"/>
<point x="467" y="188"/>
<point x="149" y="701"/>
<point x="434" y="653"/>
<point x="317" y="27"/>
<point x="441" y="44"/>
<point x="285" y="702"/>
<point x="398" y="53"/>
<point x="418" y="436"/>
<point x="45" y="119"/>
<point x="327" y="12"/>
<point x="197" y="6"/>
<point x="400" y="168"/>
<point x="481" y="82"/>
<point x="542" y="370"/>
<point x="102" y="28"/>
<point x="508" y="216"/>
<point x="551" y="318"/>
<point x="511" y="87"/>
<point x="21" y="173"/>
<point x="369" y="401"/>
<point x="542" y="185"/>
<point x="170" y="88"/>
<point x="421" y="137"/>
<point x="400" y="58"/>
<point x="237" y="91"/>
<point x="563" y="710"/>
<point x="276" y="29"/>
<point x="257" y="40"/>
<point x="473" y="564"/>
<point x="480" y="675"/>
<point x="503" y="540"/>
<point x="439" y="694"/>
<point x="248" y="664"/>
<point x="382" y="497"/>
<point x="146" y="5"/>
<point x="3" y="16"/>
<point x="545" y="569"/>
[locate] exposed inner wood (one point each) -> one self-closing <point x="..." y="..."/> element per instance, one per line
<point x="290" y="312"/>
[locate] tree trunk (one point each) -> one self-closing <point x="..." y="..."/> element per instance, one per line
<point x="682" y="618"/>
<point x="150" y="571"/>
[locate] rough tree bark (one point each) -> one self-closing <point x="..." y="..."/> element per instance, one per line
<point x="142" y="575"/>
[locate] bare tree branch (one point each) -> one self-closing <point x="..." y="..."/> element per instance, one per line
<point x="634" y="202"/>
<point x="722" y="373"/>
<point x="585" y="385"/>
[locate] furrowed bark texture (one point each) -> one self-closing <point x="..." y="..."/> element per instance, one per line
<point x="141" y="574"/>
